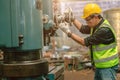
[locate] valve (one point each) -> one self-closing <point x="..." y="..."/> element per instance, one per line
<point x="68" y="13"/>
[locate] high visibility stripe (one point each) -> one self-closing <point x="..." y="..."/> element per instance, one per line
<point x="106" y="59"/>
<point x="98" y="48"/>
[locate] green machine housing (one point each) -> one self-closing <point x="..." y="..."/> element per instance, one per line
<point x="21" y="39"/>
<point x="21" y="19"/>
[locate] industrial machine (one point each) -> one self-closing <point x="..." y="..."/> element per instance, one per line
<point x="26" y="26"/>
<point x="56" y="73"/>
<point x="21" y="40"/>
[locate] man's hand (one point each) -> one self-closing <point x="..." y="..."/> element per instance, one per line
<point x="64" y="27"/>
<point x="68" y="14"/>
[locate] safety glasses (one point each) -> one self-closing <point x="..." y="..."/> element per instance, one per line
<point x="89" y="18"/>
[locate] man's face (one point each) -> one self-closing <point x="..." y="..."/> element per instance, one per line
<point x="91" y="21"/>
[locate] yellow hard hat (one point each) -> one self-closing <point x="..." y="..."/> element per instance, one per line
<point x="90" y="9"/>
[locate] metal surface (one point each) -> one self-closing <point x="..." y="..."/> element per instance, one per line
<point x="13" y="55"/>
<point x="26" y="69"/>
<point x="21" y="17"/>
<point x="21" y="39"/>
<point x="27" y="78"/>
<point x="5" y="33"/>
<point x="113" y="16"/>
<point x="61" y="77"/>
<point x="18" y="64"/>
<point x="48" y="8"/>
<point x="56" y="73"/>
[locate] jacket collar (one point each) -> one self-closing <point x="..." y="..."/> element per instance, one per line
<point x="98" y="24"/>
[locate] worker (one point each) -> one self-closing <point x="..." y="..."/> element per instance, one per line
<point x="102" y="41"/>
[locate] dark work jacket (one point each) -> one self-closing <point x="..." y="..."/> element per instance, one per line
<point x="103" y="35"/>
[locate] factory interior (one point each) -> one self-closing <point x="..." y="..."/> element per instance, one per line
<point x="33" y="47"/>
